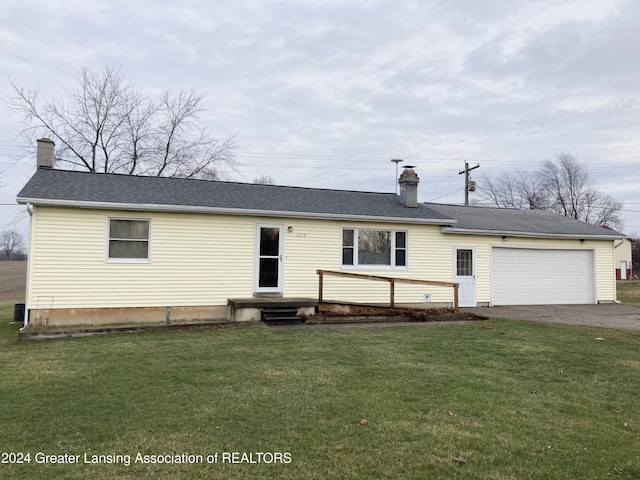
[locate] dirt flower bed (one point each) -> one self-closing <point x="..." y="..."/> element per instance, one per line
<point x="338" y="313"/>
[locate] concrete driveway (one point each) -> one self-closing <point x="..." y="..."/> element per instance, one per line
<point x="612" y="315"/>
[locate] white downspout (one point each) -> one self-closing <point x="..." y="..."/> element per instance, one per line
<point x="615" y="283"/>
<point x="29" y="254"/>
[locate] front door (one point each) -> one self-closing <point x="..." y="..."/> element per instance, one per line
<point x="465" y="276"/>
<point x="268" y="262"/>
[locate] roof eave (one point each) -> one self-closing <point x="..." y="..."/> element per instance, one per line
<point x="229" y="211"/>
<point x="507" y="233"/>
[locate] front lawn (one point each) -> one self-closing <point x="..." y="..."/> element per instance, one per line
<point x="629" y="292"/>
<point x="515" y="400"/>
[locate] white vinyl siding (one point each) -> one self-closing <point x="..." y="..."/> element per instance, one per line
<point x="197" y="260"/>
<point x="205" y="259"/>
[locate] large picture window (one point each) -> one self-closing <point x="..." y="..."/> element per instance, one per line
<point x="367" y="247"/>
<point x="128" y="239"/>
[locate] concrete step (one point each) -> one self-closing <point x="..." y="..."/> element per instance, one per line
<point x="281" y="316"/>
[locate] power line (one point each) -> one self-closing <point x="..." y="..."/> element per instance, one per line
<point x="329" y="157"/>
<point x="446" y="195"/>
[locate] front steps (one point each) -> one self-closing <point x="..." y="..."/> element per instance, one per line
<point x="281" y="316"/>
<point x="271" y="310"/>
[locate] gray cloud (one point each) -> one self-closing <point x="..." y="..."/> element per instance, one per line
<point x="325" y="93"/>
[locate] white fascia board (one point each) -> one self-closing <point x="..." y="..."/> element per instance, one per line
<point x="506" y="233"/>
<point x="229" y="211"/>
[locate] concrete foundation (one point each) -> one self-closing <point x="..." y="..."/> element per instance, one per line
<point x="55" y="317"/>
<point x="237" y="310"/>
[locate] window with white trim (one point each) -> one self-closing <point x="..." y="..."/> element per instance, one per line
<point x="128" y="239"/>
<point x="366" y="247"/>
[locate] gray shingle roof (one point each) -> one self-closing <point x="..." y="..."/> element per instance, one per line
<point x="530" y="222"/>
<point x="84" y="187"/>
<point x="50" y="186"/>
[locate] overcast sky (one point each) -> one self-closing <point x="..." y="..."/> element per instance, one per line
<point x="325" y="93"/>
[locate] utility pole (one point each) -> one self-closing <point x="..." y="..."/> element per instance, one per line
<point x="467" y="181"/>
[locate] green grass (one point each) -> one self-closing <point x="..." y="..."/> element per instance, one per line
<point x="629" y="292"/>
<point x="518" y="400"/>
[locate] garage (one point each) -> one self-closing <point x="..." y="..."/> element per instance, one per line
<point x="528" y="276"/>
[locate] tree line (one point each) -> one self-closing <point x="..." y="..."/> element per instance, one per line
<point x="562" y="186"/>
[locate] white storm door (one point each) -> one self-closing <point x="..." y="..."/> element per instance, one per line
<point x="268" y="262"/>
<point x="464" y="275"/>
<point x="623" y="270"/>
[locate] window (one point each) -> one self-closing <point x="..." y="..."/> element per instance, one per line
<point x="128" y="239"/>
<point x="401" y="249"/>
<point x="348" y="246"/>
<point x="464" y="263"/>
<point x="368" y="248"/>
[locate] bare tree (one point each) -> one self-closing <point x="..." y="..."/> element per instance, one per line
<point x="105" y="124"/>
<point x="264" y="180"/>
<point x="514" y="191"/>
<point x="562" y="186"/>
<point x="567" y="183"/>
<point x="10" y="243"/>
<point x="571" y="193"/>
<point x="533" y="192"/>
<point x="605" y="210"/>
<point x="500" y="191"/>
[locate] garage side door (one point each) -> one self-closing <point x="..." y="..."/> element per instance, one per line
<point x="523" y="276"/>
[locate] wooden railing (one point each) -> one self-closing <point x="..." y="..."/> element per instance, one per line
<point x="392" y="284"/>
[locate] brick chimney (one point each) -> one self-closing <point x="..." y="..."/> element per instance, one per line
<point x="409" y="187"/>
<point x="45" y="157"/>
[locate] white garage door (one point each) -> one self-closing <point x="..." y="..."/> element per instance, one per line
<point x="523" y="276"/>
